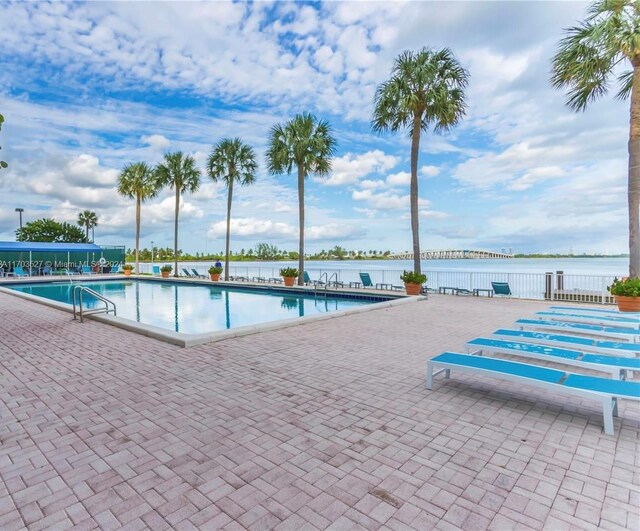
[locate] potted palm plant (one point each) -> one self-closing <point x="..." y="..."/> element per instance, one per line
<point x="627" y="293"/>
<point x="289" y="274"/>
<point x="215" y="272"/>
<point x="165" y="271"/>
<point x="413" y="282"/>
<point x="127" y="268"/>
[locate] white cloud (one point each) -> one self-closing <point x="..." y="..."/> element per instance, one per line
<point x="372" y="184"/>
<point x="383" y="201"/>
<point x="350" y="168"/>
<point x="156" y="142"/>
<point x="399" y="179"/>
<point x="429" y="171"/>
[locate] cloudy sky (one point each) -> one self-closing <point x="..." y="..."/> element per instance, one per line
<point x="86" y="88"/>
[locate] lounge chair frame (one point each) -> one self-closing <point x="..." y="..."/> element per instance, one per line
<point x="615" y="366"/>
<point x="543" y="377"/>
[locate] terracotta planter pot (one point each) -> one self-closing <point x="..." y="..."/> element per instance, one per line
<point x="289" y="281"/>
<point x="165" y="274"/>
<point x="413" y="289"/>
<point x="628" y="304"/>
<point x="215" y="277"/>
<point x="127" y="272"/>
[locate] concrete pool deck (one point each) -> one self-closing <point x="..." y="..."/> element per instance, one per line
<point x="324" y="425"/>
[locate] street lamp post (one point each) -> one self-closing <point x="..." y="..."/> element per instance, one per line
<point x="20" y="211"/>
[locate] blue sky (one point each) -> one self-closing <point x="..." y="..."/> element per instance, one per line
<point x="86" y="88"/>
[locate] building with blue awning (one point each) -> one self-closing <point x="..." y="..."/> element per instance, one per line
<point x="38" y="255"/>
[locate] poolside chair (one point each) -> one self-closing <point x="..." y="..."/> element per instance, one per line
<point x="307" y="279"/>
<point x="187" y="274"/>
<point x="366" y="280"/>
<point x="367" y="283"/>
<point x="18" y="271"/>
<point x="605" y="391"/>
<point x="156" y="270"/>
<point x="115" y="269"/>
<point x="86" y="270"/>
<point x="46" y="270"/>
<point x="196" y="274"/>
<point x="501" y="288"/>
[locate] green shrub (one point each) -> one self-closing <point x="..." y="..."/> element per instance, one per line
<point x="127" y="267"/>
<point x="213" y="270"/>
<point x="627" y="287"/>
<point x="166" y="269"/>
<point x="410" y="277"/>
<point x="290" y="272"/>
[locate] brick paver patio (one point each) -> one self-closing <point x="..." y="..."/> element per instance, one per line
<point x="326" y="425"/>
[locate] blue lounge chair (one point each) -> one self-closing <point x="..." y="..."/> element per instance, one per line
<point x="156" y="270"/>
<point x="617" y="348"/>
<point x="18" y="271"/>
<point x="46" y="270"/>
<point x="115" y="269"/>
<point x="597" y="310"/>
<point x="626" y="334"/>
<point x="307" y="279"/>
<point x="196" y="274"/>
<point x="602" y="320"/>
<point x="615" y="366"/>
<point x="501" y="288"/>
<point x="186" y="273"/>
<point x="86" y="270"/>
<point x="605" y="391"/>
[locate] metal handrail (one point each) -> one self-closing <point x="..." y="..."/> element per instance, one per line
<point x="77" y="295"/>
<point x="334" y="276"/>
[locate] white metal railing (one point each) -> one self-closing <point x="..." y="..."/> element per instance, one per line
<point x="542" y="286"/>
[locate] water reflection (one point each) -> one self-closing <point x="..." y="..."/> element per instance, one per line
<point x="194" y="309"/>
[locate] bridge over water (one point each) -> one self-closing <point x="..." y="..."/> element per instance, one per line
<point x="450" y="254"/>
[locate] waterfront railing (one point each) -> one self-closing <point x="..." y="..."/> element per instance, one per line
<point x="552" y="286"/>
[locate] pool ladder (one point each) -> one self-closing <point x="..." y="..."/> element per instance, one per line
<point x="77" y="297"/>
<point x="327" y="281"/>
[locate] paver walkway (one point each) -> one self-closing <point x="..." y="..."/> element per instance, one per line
<point x="326" y="425"/>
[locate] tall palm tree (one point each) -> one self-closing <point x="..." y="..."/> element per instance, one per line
<point x="587" y="58"/>
<point x="137" y="181"/>
<point x="426" y="91"/>
<point x="88" y="220"/>
<point x="179" y="173"/>
<point x="231" y="161"/>
<point x="307" y="144"/>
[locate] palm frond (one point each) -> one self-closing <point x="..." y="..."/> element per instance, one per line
<point x="626" y="84"/>
<point x="232" y="160"/>
<point x="420" y="89"/>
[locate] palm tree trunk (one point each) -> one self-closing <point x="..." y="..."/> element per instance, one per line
<point x="138" y="202"/>
<point x="634" y="174"/>
<point x="301" y="223"/>
<point x="415" y="228"/>
<point x="175" y="235"/>
<point x="86" y="231"/>
<point x="226" y="256"/>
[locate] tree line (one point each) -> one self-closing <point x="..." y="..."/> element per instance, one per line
<point x="262" y="251"/>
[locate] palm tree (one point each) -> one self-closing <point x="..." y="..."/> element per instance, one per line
<point x="587" y="58"/>
<point x="307" y="144"/>
<point x="426" y="90"/>
<point x="88" y="220"/>
<point x="179" y="173"/>
<point x="137" y="181"/>
<point x="231" y="161"/>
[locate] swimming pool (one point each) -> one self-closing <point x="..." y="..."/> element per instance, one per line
<point x="192" y="308"/>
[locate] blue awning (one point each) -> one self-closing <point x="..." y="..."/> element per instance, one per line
<point x="38" y="247"/>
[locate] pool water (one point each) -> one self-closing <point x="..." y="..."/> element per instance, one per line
<point x="195" y="309"/>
